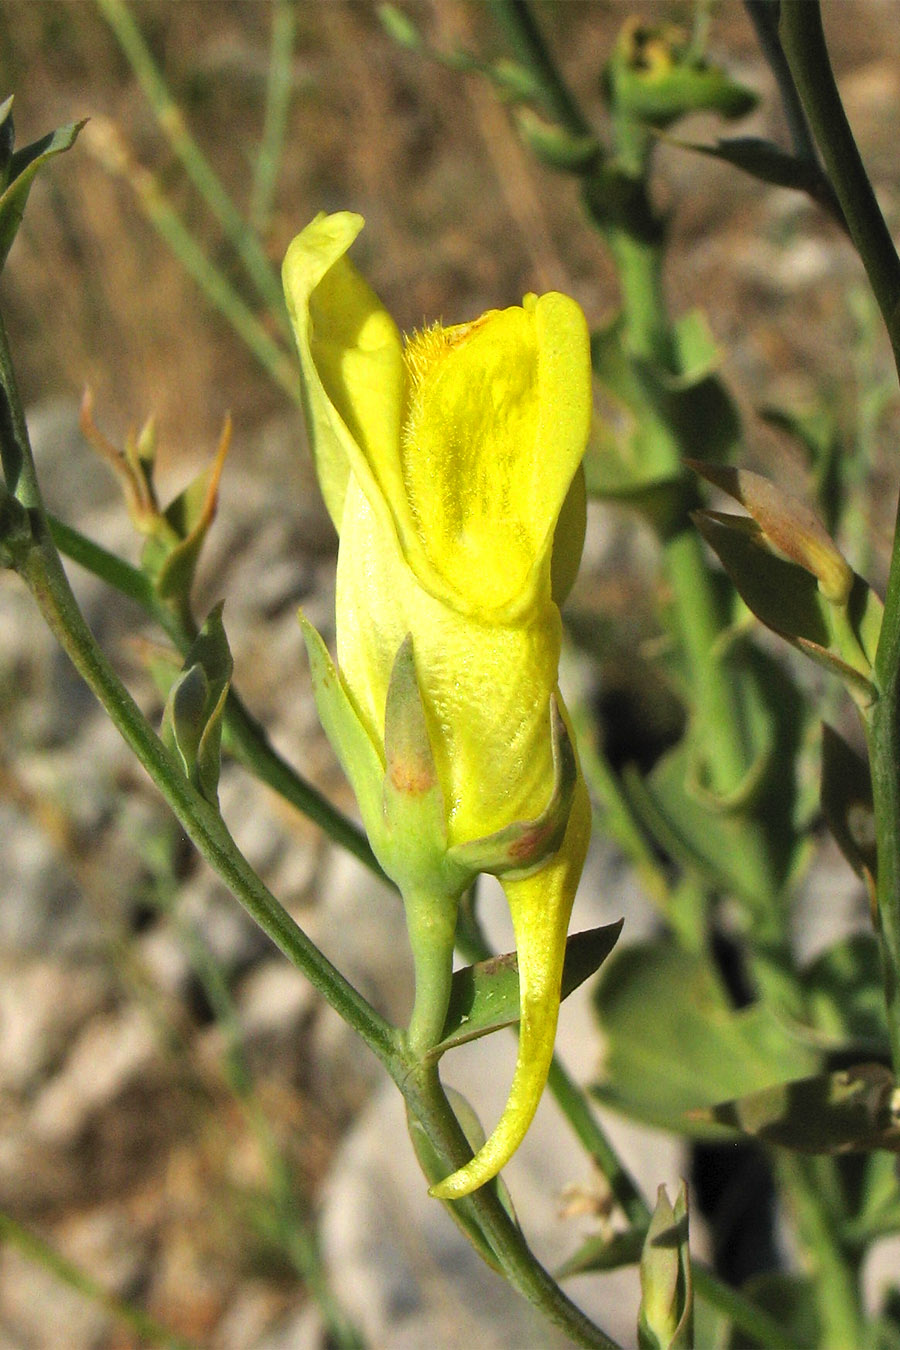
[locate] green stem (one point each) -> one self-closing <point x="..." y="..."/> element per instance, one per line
<point x="42" y="571"/>
<point x="804" y="43"/>
<point x="278" y="101"/>
<point x="42" y="1254"/>
<point x="168" y="115"/>
<point x="431" y="925"/>
<point x="516" y="21"/>
<point x="745" y="1316"/>
<point x="803" y="40"/>
<point x="427" y="1101"/>
<point x="834" y="1276"/>
<point x="245" y="737"/>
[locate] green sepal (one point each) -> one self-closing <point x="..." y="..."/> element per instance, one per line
<point x="20" y="169"/>
<point x="554" y="145"/>
<point x="192" y="719"/>
<point x="349" y="738"/>
<point x="674" y="1042"/>
<point x="666" y="1315"/>
<point x="485" y="997"/>
<point x="850" y="1110"/>
<point x="414" y="810"/>
<point x="524" y="846"/>
<point x="847" y="803"/>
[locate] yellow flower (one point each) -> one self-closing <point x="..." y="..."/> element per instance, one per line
<point x="450" y="464"/>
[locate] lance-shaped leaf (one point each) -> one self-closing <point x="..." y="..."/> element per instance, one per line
<point x="851" y="1110"/>
<point x="192" y="720"/>
<point x="847" y="803"/>
<point x="524" y="846"/>
<point x="605" y="1253"/>
<point x="788" y="525"/>
<point x="485" y="997"/>
<point x="767" y="162"/>
<point x="20" y="170"/>
<point x="665" y="1319"/>
<point x="788" y="599"/>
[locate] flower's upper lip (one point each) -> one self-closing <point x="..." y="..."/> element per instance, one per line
<point x="477" y="533"/>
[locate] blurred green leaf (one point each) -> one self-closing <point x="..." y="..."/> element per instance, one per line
<point x="849" y="1109"/>
<point x="707" y="832"/>
<point x="554" y="145"/>
<point x="605" y="1253"/>
<point x="844" y="995"/>
<point x="655" y="416"/>
<point x="791" y="1301"/>
<point x="485" y="997"/>
<point x="847" y="802"/>
<point x="674" y="1043"/>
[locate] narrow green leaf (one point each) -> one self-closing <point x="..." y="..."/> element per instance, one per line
<point x="485" y="997"/>
<point x="22" y="168"/>
<point x="605" y="1253"/>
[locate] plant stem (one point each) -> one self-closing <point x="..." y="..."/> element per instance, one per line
<point x="245" y="737"/>
<point x="42" y="1254"/>
<point x="834" y="1276"/>
<point x="169" y="118"/>
<point x="516" y="21"/>
<point x="803" y="40"/>
<point x="41" y="570"/>
<point x="278" y="100"/>
<point x="804" y="43"/>
<point x="426" y="1099"/>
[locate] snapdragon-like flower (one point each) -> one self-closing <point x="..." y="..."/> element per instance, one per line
<point x="450" y="465"/>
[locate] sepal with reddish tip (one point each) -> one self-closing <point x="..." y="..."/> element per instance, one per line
<point x="524" y="846"/>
